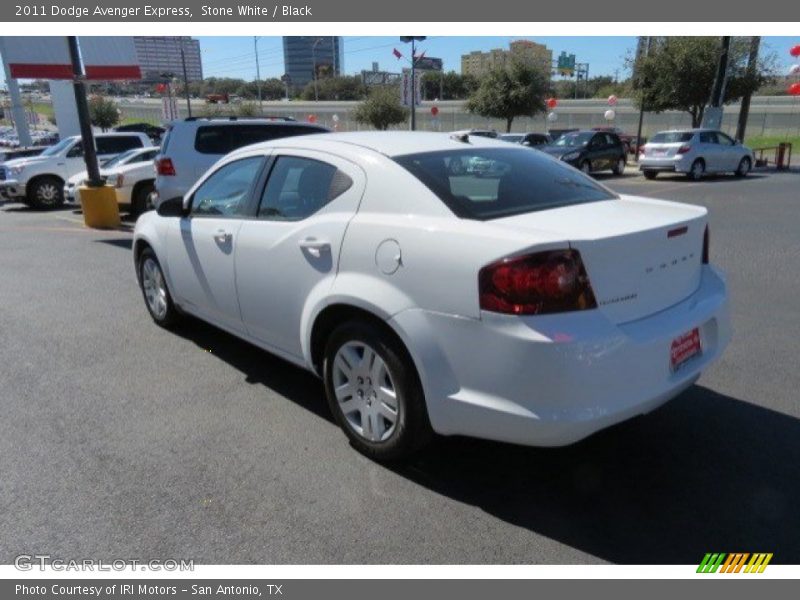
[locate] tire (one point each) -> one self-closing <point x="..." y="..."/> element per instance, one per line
<point x="697" y="170"/>
<point x="46" y="193"/>
<point x="387" y="420"/>
<point x="140" y="201"/>
<point x="650" y="174"/>
<point x="586" y="167"/>
<point x="619" y="167"/>
<point x="743" y="168"/>
<point x="157" y="298"/>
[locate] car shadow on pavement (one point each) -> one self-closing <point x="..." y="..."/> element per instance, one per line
<point x="706" y="473"/>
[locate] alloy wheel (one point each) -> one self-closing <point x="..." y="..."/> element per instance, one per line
<point x="155" y="289"/>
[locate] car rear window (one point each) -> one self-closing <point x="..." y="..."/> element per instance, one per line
<point x="491" y="183"/>
<point x="222" y="139"/>
<point x="671" y="137"/>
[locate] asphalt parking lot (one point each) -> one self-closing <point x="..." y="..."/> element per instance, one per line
<point x="119" y="439"/>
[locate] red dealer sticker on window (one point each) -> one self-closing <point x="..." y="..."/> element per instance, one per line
<point x="684" y="348"/>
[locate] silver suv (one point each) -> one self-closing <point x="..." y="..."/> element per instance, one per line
<point x="191" y="146"/>
<point x="694" y="152"/>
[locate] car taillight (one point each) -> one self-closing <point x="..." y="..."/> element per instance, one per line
<point x="705" y="246"/>
<point x="684" y="149"/>
<point x="164" y="166"/>
<point x="545" y="282"/>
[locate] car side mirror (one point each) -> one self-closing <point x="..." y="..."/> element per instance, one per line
<point x="172" y="207"/>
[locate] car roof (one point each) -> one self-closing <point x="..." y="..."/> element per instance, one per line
<point x="388" y="143"/>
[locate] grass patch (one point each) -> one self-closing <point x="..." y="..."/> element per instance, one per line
<point x="767" y="141"/>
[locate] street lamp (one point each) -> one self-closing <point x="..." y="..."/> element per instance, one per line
<point x="185" y="80"/>
<point x="413" y="40"/>
<point x="258" y="76"/>
<point x="314" y="65"/>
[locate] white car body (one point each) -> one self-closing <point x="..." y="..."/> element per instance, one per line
<point x="60" y="162"/>
<point x="134" y="169"/>
<point x="705" y="150"/>
<point x="390" y="247"/>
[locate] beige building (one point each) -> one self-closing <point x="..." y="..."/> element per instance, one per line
<point x="479" y="63"/>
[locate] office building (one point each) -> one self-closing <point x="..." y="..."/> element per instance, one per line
<point x="479" y="63"/>
<point x="302" y="55"/>
<point x="159" y="55"/>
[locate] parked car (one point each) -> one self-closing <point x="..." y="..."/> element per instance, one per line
<point x="13" y="154"/>
<point x="557" y="133"/>
<point x="694" y="152"/>
<point x="536" y="310"/>
<point x="191" y="146"/>
<point x="132" y="174"/>
<point x="590" y="151"/>
<point x="527" y="139"/>
<point x="39" y="181"/>
<point x="629" y="141"/>
<point x="154" y="132"/>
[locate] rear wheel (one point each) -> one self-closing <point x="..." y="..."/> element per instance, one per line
<point x="374" y="393"/>
<point x="46" y="192"/>
<point x="650" y="174"/>
<point x="697" y="170"/>
<point x="744" y="167"/>
<point x="140" y="199"/>
<point x="619" y="167"/>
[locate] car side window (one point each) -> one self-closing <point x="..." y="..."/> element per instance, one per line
<point x="724" y="139"/>
<point x="226" y="191"/>
<point x="708" y="137"/>
<point x="298" y="187"/>
<point x="117" y="144"/>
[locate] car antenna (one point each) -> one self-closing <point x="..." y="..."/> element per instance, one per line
<point x="460" y="137"/>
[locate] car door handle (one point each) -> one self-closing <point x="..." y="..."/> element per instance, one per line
<point x="223" y="236"/>
<point x="315" y="247"/>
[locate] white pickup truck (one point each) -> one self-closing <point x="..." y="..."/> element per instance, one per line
<point x="38" y="181"/>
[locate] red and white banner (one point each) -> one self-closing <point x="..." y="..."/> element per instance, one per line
<point x="47" y="57"/>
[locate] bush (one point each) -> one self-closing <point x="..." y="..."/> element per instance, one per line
<point x="381" y="109"/>
<point x="103" y="112"/>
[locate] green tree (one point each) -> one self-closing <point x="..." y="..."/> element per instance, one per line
<point x="103" y="112"/>
<point x="516" y="91"/>
<point x="348" y="87"/>
<point x="678" y="74"/>
<point x="447" y="86"/>
<point x="382" y="108"/>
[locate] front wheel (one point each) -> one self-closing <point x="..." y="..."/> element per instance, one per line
<point x="140" y="202"/>
<point x="154" y="289"/>
<point x="743" y="168"/>
<point x="586" y="167"/>
<point x="650" y="174"/>
<point x="374" y="392"/>
<point x="697" y="170"/>
<point x="46" y="193"/>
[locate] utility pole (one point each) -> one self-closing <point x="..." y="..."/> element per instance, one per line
<point x="258" y="77"/>
<point x="413" y="40"/>
<point x="314" y="61"/>
<point x="752" y="68"/>
<point x="186" y="81"/>
<point x="87" y="138"/>
<point x="712" y="116"/>
<point x="642" y="51"/>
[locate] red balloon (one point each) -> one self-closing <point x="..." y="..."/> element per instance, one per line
<point x="160" y="88"/>
<point x="794" y="89"/>
<point x="312" y="118"/>
<point x="795" y="51"/>
<point x="434" y="110"/>
<point x="552" y="103"/>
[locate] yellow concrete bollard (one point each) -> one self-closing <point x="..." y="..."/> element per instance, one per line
<point x="100" y="208"/>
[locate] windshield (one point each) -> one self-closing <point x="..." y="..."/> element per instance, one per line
<point x="671" y="137"/>
<point x="574" y="139"/>
<point x="120" y="158"/>
<point x="52" y="150"/>
<point x="490" y="183"/>
<point x="511" y="137"/>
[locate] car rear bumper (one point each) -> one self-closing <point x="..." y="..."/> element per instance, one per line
<point x="680" y="164"/>
<point x="552" y="380"/>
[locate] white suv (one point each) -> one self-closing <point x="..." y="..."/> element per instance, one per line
<point x="191" y="146"/>
<point x="39" y="180"/>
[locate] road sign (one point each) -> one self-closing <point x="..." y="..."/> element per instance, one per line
<point x="566" y="64"/>
<point x="405" y="90"/>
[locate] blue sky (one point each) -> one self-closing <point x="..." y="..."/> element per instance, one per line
<point x="234" y="56"/>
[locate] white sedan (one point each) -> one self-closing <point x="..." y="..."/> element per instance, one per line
<point x="535" y="308"/>
<point x="132" y="174"/>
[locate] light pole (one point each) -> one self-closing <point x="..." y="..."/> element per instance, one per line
<point x="314" y="66"/>
<point x="186" y="80"/>
<point x="258" y="76"/>
<point x="413" y="40"/>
